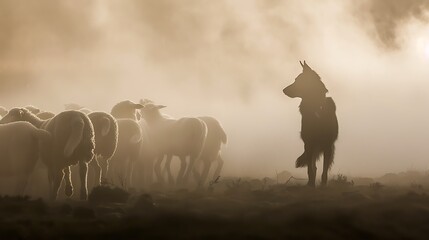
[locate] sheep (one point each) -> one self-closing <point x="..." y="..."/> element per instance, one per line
<point x="179" y="137"/>
<point x="216" y="136"/>
<point x="106" y="141"/>
<point x="33" y="109"/>
<point x="72" y="143"/>
<point x="73" y="106"/>
<point x="77" y="107"/>
<point x="3" y="111"/>
<point x="127" y="109"/>
<point x="147" y="155"/>
<point x="21" y="145"/>
<point x="45" y="115"/>
<point x="129" y="141"/>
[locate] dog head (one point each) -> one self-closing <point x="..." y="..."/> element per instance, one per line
<point x="307" y="84"/>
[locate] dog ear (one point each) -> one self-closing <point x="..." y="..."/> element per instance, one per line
<point x="302" y="65"/>
<point x="306" y="67"/>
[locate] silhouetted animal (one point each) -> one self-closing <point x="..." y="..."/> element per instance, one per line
<point x="33" y="109"/>
<point x="3" y="111"/>
<point x="39" y="113"/>
<point x="130" y="138"/>
<point x="77" y="107"/>
<point x="45" y="115"/>
<point x="216" y="136"/>
<point x="319" y="125"/>
<point x="106" y="141"/>
<point x="72" y="142"/>
<point x="179" y="137"/>
<point x="21" y="145"/>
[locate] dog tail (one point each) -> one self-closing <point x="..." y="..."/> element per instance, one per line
<point x="302" y="161"/>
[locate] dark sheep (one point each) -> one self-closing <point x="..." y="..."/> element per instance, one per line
<point x="72" y="143"/>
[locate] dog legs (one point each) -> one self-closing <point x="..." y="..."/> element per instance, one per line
<point x="328" y="158"/>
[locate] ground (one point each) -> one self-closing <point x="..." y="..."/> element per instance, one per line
<point x="233" y="209"/>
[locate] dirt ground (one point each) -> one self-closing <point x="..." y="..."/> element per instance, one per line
<point x="234" y="209"/>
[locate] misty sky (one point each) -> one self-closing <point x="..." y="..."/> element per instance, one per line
<point x="231" y="60"/>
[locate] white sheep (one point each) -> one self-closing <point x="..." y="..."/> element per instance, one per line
<point x="106" y="141"/>
<point x="216" y="136"/>
<point x="179" y="137"/>
<point x="45" y="115"/>
<point x="33" y="109"/>
<point x="21" y="145"/>
<point x="129" y="141"/>
<point x="3" y="111"/>
<point x="77" y="107"/>
<point x="72" y="142"/>
<point x="73" y="106"/>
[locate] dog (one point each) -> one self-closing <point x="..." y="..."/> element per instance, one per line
<point x="319" y="124"/>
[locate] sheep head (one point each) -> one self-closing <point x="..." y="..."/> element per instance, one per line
<point x="126" y="109"/>
<point x="33" y="109"/>
<point x="3" y="111"/>
<point x="150" y="111"/>
<point x="16" y="114"/>
<point x="72" y="106"/>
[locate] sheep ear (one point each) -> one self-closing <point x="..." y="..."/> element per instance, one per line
<point x="138" y="106"/>
<point x="160" y="106"/>
<point x="138" y="116"/>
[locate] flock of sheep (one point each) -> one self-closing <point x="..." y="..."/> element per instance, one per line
<point x="130" y="143"/>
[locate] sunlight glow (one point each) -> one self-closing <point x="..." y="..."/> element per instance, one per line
<point x="426" y="50"/>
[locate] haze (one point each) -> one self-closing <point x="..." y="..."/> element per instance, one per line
<point x="231" y="60"/>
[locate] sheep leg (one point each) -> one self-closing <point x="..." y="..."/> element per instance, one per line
<point x="157" y="169"/>
<point x="50" y="181"/>
<point x="204" y="173"/>
<point x="57" y="178"/>
<point x="328" y="157"/>
<point x="166" y="165"/>
<point x="148" y="177"/>
<point x="167" y="168"/>
<point x="129" y="172"/>
<point x="196" y="173"/>
<point x="103" y="163"/>
<point x="94" y="173"/>
<point x="219" y="167"/>
<point x="96" y="169"/>
<point x="83" y="170"/>
<point x="69" y="185"/>
<point x="190" y="168"/>
<point x="182" y="170"/>
<point x="22" y="184"/>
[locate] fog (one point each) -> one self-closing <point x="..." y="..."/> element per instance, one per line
<point x="231" y="60"/>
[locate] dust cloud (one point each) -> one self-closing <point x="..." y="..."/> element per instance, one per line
<point x="231" y="60"/>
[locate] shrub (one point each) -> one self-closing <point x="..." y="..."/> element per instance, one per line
<point x="341" y="181"/>
<point x="107" y="194"/>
